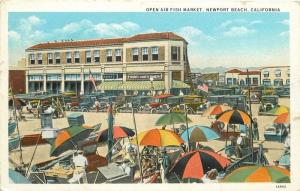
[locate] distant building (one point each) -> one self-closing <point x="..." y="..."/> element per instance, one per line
<point x="275" y="75"/>
<point x="254" y="78"/>
<point x="210" y="79"/>
<point x="17" y="77"/>
<point x="232" y="77"/>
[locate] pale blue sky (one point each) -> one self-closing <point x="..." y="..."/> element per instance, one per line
<point x="215" y="39"/>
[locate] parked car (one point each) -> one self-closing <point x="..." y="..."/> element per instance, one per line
<point x="86" y="103"/>
<point x="283" y="91"/>
<point x="237" y="101"/>
<point x="158" y="104"/>
<point x="275" y="132"/>
<point x="267" y="103"/>
<point x="191" y="104"/>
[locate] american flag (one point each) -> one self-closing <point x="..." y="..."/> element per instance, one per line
<point x="203" y="87"/>
<point x="92" y="79"/>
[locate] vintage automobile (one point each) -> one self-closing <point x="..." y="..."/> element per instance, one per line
<point x="139" y="102"/>
<point x="237" y="101"/>
<point x="86" y="103"/>
<point x="268" y="90"/>
<point x="275" y="132"/>
<point x="104" y="101"/>
<point x="267" y="103"/>
<point x="191" y="104"/>
<point x="220" y="91"/>
<point x="283" y="91"/>
<point x="158" y="104"/>
<point x="124" y="104"/>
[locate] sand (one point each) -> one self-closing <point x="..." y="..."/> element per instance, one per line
<point x="144" y="122"/>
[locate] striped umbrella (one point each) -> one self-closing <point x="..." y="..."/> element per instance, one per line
<point x="68" y="138"/>
<point x="235" y="116"/>
<point x="118" y="132"/>
<point x="259" y="174"/>
<point x="159" y="138"/>
<point x="199" y="133"/>
<point x="282" y="118"/>
<point x="216" y="110"/>
<point x="279" y="110"/>
<point x="196" y="163"/>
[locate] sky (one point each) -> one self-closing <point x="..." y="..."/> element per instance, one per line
<point x="215" y="39"/>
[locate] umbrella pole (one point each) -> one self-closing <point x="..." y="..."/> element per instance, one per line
<point x="138" y="146"/>
<point x="226" y="135"/>
<point x="250" y="112"/>
<point x="187" y="130"/>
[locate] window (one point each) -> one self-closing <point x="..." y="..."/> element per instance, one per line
<point x="154" y="51"/>
<point x="109" y="55"/>
<point x="288" y="82"/>
<point x="32" y="58"/>
<point x="53" y="77"/>
<point x="118" y="55"/>
<point x="97" y="56"/>
<point x="50" y="58"/>
<point x="75" y="77"/>
<point x="145" y="54"/>
<point x="77" y="57"/>
<point x="40" y="58"/>
<point x="88" y="56"/>
<point x="229" y="81"/>
<point x="266" y="74"/>
<point x="97" y="76"/>
<point x="69" y="57"/>
<point x="174" y="52"/>
<point x="234" y="81"/>
<point x="277" y="73"/>
<point x="278" y="82"/>
<point x="35" y="78"/>
<point x="248" y="81"/>
<point x="255" y="81"/>
<point x="267" y="82"/>
<point x="135" y="54"/>
<point x="57" y="57"/>
<point x="242" y="82"/>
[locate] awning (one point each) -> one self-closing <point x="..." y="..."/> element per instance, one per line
<point x="110" y="85"/>
<point x="139" y="85"/>
<point x="143" y="85"/>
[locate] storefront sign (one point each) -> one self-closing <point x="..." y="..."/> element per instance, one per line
<point x="113" y="76"/>
<point x="145" y="76"/>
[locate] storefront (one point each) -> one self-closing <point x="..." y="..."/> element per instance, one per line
<point x="53" y="83"/>
<point x="35" y="83"/>
<point x="73" y="83"/>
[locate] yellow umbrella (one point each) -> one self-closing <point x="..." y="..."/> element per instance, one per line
<point x="158" y="138"/>
<point x="279" y="110"/>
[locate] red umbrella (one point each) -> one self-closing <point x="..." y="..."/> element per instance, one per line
<point x="196" y="163"/>
<point x="118" y="132"/>
<point x="282" y="118"/>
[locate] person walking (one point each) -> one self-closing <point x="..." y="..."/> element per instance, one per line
<point x="255" y="130"/>
<point x="166" y="165"/>
<point x="97" y="105"/>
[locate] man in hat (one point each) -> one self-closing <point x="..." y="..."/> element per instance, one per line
<point x="79" y="165"/>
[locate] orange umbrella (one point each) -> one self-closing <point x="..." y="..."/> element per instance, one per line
<point x="216" y="110"/>
<point x="235" y="116"/>
<point x="282" y="118"/>
<point x="159" y="138"/>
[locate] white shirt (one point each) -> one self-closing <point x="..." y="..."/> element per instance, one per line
<point x="80" y="160"/>
<point x="239" y="140"/>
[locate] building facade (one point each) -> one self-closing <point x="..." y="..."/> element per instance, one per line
<point x="275" y="75"/>
<point x="242" y="78"/>
<point x="159" y="59"/>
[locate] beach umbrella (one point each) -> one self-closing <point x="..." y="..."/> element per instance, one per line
<point x="279" y="110"/>
<point x="216" y="110"/>
<point x="259" y="174"/>
<point x="17" y="178"/>
<point x="159" y="138"/>
<point x="284" y="160"/>
<point x="198" y="133"/>
<point x="235" y="116"/>
<point x="172" y="118"/>
<point x="118" y="132"/>
<point x="282" y="118"/>
<point x="68" y="138"/>
<point x="195" y="164"/>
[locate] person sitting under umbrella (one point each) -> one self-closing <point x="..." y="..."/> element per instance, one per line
<point x="79" y="165"/>
<point x="210" y="176"/>
<point x="165" y="166"/>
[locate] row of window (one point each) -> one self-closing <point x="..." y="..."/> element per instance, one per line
<point x="51" y="57"/>
<point x="254" y="81"/>
<point x="57" y="77"/>
<point x="276" y="82"/>
<point x="277" y="73"/>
